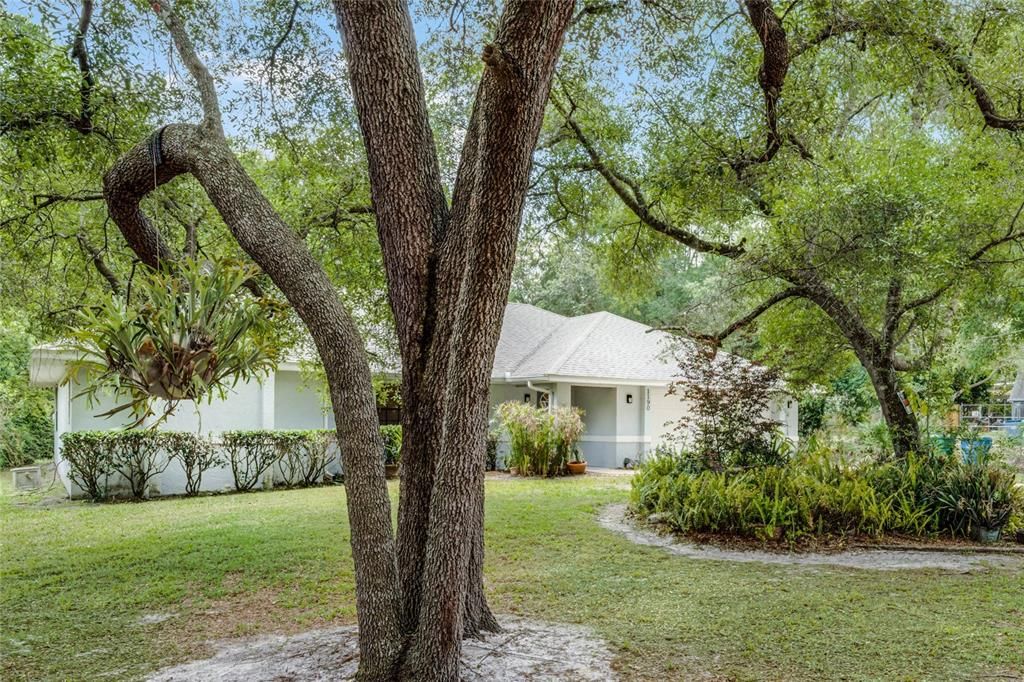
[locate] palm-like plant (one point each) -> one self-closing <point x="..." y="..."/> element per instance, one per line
<point x="189" y="333"/>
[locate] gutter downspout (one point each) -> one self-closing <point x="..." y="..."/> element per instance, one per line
<point x="545" y="391"/>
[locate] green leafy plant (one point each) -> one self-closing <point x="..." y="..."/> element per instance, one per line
<point x="976" y="495"/>
<point x="391" y="435"/>
<point x="817" y="493"/>
<point x="195" y="453"/>
<point x="137" y="456"/>
<point x="26" y="426"/>
<point x="250" y="455"/>
<point x="729" y="399"/>
<point x="541" y="441"/>
<point x="89" y="461"/>
<point x="189" y="332"/>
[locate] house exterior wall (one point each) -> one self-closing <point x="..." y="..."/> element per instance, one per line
<point x="298" y="404"/>
<point x="616" y="429"/>
<point x="663" y="415"/>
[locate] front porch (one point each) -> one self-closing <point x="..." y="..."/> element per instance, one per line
<point x="623" y="421"/>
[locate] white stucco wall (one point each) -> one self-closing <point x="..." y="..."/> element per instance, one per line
<point x="298" y="404"/>
<point x="249" y="405"/>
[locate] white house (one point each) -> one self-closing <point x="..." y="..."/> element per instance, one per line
<point x="616" y="370"/>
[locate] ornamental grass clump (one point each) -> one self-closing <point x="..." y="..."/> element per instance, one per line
<point x="541" y="441"/>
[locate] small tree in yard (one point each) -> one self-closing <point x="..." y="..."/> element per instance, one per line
<point x="728" y="423"/>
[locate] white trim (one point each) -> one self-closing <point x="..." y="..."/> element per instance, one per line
<point x="615" y="439"/>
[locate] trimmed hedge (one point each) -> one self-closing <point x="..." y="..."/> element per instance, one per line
<point x="298" y="457"/>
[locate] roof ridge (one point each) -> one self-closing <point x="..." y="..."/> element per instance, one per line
<point x="598" y="317"/>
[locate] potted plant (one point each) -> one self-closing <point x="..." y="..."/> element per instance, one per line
<point x="391" y="436"/>
<point x="978" y="497"/>
<point x="576" y="465"/>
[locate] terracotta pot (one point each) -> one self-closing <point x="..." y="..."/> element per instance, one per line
<point x="577" y="468"/>
<point x="391" y="470"/>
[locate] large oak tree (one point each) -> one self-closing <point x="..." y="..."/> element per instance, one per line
<point x="447" y="253"/>
<point x="861" y="161"/>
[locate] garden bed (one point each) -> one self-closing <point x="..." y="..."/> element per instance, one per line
<point x="846" y="553"/>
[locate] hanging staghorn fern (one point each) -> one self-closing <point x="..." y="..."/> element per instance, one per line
<point x="187" y="333"/>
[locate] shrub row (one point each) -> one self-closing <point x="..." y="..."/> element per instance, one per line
<point x="139" y="456"/>
<point x="814" y="494"/>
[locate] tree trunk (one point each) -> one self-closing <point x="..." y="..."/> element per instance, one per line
<point x="901" y="423"/>
<point x="876" y="359"/>
<point x="448" y="280"/>
<point x="280" y="253"/>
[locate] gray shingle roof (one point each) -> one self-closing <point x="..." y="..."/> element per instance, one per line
<point x="536" y="343"/>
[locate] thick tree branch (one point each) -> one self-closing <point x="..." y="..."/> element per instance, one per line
<point x="716" y="340"/>
<point x="628" y="191"/>
<point x="405" y="177"/>
<point x="203" y="152"/>
<point x="771" y="76"/>
<point x="959" y="65"/>
<point x="79" y="52"/>
<point x="186" y="50"/>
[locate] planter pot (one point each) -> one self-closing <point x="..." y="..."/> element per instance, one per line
<point x="577" y="468"/>
<point x="983" y="534"/>
<point x="514" y="471"/>
<point x="391" y="470"/>
<point x="975" y="450"/>
<point x="1020" y="536"/>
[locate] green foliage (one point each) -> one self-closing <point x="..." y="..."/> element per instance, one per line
<point x="391" y="435"/>
<point x="978" y="495"/>
<point x="252" y="453"/>
<point x="138" y="456"/>
<point x="26" y="423"/>
<point x="729" y="400"/>
<point x="190" y="333"/>
<point x="541" y="440"/>
<point x="89" y="461"/>
<point x="816" y="494"/>
<point x="195" y="453"/>
<point x="491" y="451"/>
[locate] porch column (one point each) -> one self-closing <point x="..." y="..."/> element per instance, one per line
<point x="61" y="425"/>
<point x="561" y="394"/>
<point x="62" y="417"/>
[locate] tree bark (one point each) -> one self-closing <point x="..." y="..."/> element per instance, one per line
<point x="448" y="277"/>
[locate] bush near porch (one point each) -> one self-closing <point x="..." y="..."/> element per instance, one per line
<point x="541" y="441"/>
<point x="816" y="493"/>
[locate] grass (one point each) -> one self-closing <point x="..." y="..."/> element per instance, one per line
<point x="78" y="580"/>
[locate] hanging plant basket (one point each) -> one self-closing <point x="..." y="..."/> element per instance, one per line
<point x="187" y="333"/>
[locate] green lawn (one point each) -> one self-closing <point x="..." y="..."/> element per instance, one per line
<point x="77" y="580"/>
